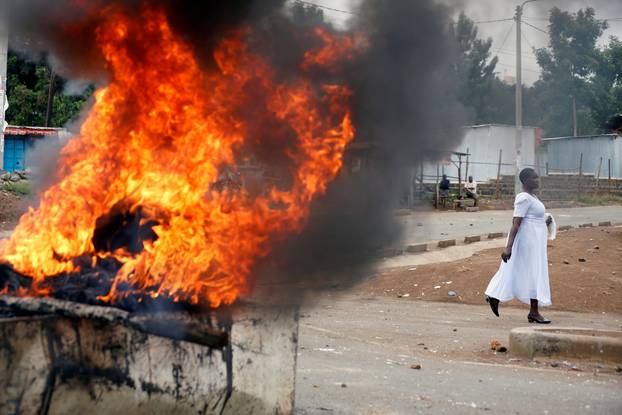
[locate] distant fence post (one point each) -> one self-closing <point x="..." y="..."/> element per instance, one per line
<point x="466" y="172"/>
<point x="600" y="164"/>
<point x="547" y="168"/>
<point x="580" y="174"/>
<point x="498" y="190"/>
<point x="609" y="160"/>
<point x="437" y="190"/>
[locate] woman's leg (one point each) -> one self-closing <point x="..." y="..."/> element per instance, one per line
<point x="534" y="314"/>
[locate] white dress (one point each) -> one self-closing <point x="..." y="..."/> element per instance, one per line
<point x="526" y="274"/>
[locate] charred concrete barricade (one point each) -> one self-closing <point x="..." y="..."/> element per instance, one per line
<point x="60" y="357"/>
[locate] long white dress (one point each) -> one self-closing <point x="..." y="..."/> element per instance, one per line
<point x="526" y="274"/>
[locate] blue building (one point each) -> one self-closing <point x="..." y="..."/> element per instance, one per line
<point x="19" y="140"/>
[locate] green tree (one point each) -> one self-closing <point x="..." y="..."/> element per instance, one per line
<point x="475" y="71"/>
<point x="27" y="91"/>
<point x="568" y="64"/>
<point x="605" y="97"/>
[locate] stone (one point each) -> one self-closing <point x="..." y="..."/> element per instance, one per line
<point x="447" y="243"/>
<point x="566" y="262"/>
<point x="495" y="235"/>
<point x="15" y="177"/>
<point x="415" y="249"/>
<point x="582" y="260"/>
<point x="415" y="366"/>
<point x="472" y="239"/>
<point x="452" y="294"/>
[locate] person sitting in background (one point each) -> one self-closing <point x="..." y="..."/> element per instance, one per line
<point x="443" y="186"/>
<point x="470" y="189"/>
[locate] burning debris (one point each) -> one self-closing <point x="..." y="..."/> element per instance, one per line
<point x="163" y="121"/>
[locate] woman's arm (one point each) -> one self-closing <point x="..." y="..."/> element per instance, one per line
<point x="507" y="253"/>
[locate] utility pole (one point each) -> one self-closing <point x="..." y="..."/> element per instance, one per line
<point x="518" y="142"/>
<point x="519" y="96"/>
<point x="574" y="117"/>
<point x="4" y="50"/>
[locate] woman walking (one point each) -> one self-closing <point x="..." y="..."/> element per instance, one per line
<point x="524" y="272"/>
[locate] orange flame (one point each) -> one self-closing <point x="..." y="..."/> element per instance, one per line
<point x="156" y="138"/>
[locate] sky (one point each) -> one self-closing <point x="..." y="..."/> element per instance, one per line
<point x="503" y="33"/>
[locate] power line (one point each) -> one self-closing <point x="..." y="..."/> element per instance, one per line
<point x="506" y="38"/>
<point x="514" y="67"/>
<point x="494" y="21"/>
<point x="535" y="27"/>
<point x="326" y="7"/>
<point x="529" y="43"/>
<point x="509" y="52"/>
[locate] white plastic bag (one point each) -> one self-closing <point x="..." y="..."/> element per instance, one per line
<point x="551" y="227"/>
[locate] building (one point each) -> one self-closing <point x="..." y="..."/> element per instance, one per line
<point x="592" y="154"/>
<point x="480" y="149"/>
<point x="18" y="141"/>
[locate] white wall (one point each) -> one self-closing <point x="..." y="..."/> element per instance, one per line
<point x="563" y="154"/>
<point x="483" y="144"/>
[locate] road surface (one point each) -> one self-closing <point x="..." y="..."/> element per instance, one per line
<point x="435" y="226"/>
<point x="356" y="353"/>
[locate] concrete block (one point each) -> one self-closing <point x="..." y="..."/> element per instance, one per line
<point x="495" y="235"/>
<point x="447" y="243"/>
<point x="586" y="225"/>
<point x="389" y="252"/>
<point x="564" y="228"/>
<point x="471" y="239"/>
<point x="567" y="342"/>
<point x="70" y="366"/>
<point x="415" y="249"/>
<point x="607" y="223"/>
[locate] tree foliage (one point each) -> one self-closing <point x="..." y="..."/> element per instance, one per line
<point x="569" y="65"/>
<point x="574" y="69"/>
<point x="28" y="85"/>
<point x="475" y="71"/>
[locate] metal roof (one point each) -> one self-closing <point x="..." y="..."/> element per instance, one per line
<point x="33" y="131"/>
<point x="583" y="137"/>
<point x="499" y="125"/>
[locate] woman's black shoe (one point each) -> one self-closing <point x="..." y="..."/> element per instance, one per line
<point x="494" y="305"/>
<point x="537" y="319"/>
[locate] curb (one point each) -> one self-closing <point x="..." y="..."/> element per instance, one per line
<point x="446" y="243"/>
<point x="566" y="342"/>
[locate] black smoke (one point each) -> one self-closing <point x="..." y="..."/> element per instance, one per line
<point x="404" y="111"/>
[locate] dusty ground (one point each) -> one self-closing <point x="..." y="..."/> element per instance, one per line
<point x="591" y="286"/>
<point x="11" y="208"/>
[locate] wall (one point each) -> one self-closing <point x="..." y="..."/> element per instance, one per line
<point x="483" y="144"/>
<point x="563" y="154"/>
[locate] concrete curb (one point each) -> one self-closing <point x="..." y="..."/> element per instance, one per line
<point x="566" y="342"/>
<point x="446" y="243"/>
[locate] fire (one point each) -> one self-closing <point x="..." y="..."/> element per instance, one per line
<point x="157" y="138"/>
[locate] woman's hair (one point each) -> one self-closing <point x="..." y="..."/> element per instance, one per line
<point x="525" y="174"/>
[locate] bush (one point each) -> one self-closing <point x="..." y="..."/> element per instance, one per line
<point x="22" y="187"/>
